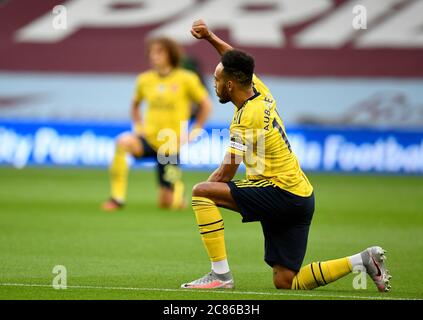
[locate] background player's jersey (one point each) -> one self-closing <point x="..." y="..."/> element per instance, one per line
<point x="168" y="101"/>
<point x="258" y="134"/>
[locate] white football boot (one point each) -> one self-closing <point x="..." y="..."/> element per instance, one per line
<point x="212" y="280"/>
<point x="374" y="261"/>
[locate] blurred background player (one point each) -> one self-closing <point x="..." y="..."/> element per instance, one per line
<point x="169" y="92"/>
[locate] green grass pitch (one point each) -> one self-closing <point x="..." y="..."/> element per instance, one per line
<point x="51" y="216"/>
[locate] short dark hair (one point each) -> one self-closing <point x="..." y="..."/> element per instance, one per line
<point x="239" y="66"/>
<point x="173" y="49"/>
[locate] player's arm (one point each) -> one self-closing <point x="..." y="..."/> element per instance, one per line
<point x="136" y="118"/>
<point x="135" y="113"/>
<point x="200" y="31"/>
<point x="204" y="109"/>
<point x="227" y="168"/>
<point x="240" y="138"/>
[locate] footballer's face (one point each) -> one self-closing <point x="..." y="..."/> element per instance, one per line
<point x="220" y="85"/>
<point x="158" y="56"/>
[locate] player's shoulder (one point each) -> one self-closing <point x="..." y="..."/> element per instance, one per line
<point x="185" y="74"/>
<point x="256" y="110"/>
<point x="146" y="76"/>
<point x="257" y="82"/>
<point x="257" y="103"/>
<point x="250" y="115"/>
<point x="189" y="79"/>
<point x="260" y="86"/>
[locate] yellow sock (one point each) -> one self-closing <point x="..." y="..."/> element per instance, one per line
<point x="178" y="194"/>
<point x="211" y="227"/>
<point x="319" y="274"/>
<point x="119" y="175"/>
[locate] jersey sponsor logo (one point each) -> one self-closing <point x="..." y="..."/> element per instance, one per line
<point x="161" y="88"/>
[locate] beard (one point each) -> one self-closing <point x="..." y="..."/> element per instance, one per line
<point x="224" y="96"/>
<point x="224" y="100"/>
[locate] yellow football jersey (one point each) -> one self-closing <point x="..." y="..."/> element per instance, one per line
<point x="257" y="133"/>
<point x="168" y="102"/>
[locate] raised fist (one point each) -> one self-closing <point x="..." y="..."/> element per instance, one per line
<point x="200" y="30"/>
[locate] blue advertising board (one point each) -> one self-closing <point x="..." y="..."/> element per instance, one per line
<point x="318" y="148"/>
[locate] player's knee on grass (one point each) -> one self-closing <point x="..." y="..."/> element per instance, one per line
<point x="165" y="203"/>
<point x="165" y="198"/>
<point x="283" y="277"/>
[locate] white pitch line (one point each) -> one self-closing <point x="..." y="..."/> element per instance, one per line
<point x="211" y="291"/>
